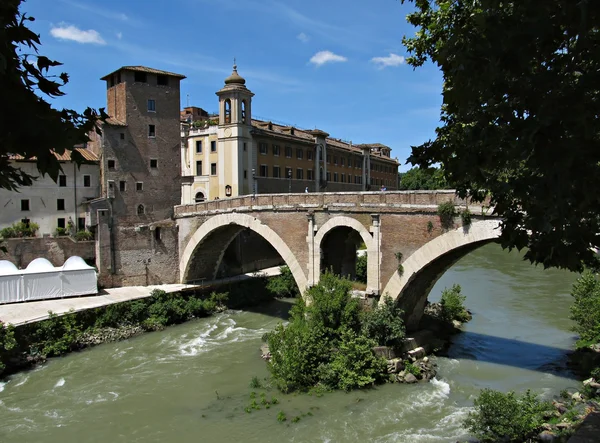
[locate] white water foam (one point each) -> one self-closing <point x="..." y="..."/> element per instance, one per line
<point x="442" y="386"/>
<point x="60" y="382"/>
<point x="22" y="382"/>
<point x="2" y="384"/>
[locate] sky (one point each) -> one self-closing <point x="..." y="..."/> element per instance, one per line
<point x="330" y="64"/>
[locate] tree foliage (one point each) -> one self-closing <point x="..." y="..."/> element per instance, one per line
<point x="384" y="323"/>
<point x="585" y="310"/>
<point x="423" y="178"/>
<point x="453" y="304"/>
<point x="30" y="127"/>
<point x="519" y="116"/>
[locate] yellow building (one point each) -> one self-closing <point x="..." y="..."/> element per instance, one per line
<point x="232" y="154"/>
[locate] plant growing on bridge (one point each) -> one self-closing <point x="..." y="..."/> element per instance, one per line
<point x="465" y="217"/>
<point x="399" y="257"/>
<point x="446" y="211"/>
<point x="506" y="417"/>
<point x="453" y="304"/>
<point x="429" y="226"/>
<point x="585" y="311"/>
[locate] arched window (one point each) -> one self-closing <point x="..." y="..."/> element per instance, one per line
<point x="243" y="111"/>
<point x="227" y="111"/>
<point x="140" y="210"/>
<point x="199" y="197"/>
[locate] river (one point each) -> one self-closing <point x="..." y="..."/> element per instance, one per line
<point x="190" y="383"/>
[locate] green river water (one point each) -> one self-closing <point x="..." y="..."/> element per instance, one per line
<point x="190" y="383"/>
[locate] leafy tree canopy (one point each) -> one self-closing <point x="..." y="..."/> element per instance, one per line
<point x="29" y="126"/>
<point x="423" y="178"/>
<point x="519" y="116"/>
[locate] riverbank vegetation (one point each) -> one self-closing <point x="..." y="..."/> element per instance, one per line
<point x="453" y="305"/>
<point x="27" y="345"/>
<point x="329" y="342"/>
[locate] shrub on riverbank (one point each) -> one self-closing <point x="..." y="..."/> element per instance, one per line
<point x="7" y="342"/>
<point x="453" y="305"/>
<point x="507" y="417"/>
<point x="327" y="344"/>
<point x="384" y="323"/>
<point x="284" y="285"/>
<point x="585" y="311"/>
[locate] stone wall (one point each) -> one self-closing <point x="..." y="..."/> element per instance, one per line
<point x="22" y="251"/>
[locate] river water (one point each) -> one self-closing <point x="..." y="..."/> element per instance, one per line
<point x="190" y="383"/>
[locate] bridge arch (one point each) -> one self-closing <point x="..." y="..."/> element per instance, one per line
<point x="427" y="264"/>
<point x="370" y="243"/>
<point x="231" y="224"/>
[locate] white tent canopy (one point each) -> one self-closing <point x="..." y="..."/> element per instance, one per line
<point x="42" y="281"/>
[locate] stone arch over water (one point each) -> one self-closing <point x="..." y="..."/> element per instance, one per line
<point x="365" y="235"/>
<point x="423" y="268"/>
<point x="205" y="249"/>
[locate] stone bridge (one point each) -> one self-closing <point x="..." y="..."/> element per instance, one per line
<point x="314" y="231"/>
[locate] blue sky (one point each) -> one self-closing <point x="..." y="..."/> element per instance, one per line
<point x="336" y="65"/>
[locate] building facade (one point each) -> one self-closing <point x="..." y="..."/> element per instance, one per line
<point x="51" y="204"/>
<point x="233" y="154"/>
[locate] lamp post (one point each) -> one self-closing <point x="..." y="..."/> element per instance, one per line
<point x="290" y="180"/>
<point x="253" y="183"/>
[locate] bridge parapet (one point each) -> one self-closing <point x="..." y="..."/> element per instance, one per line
<point x="387" y="201"/>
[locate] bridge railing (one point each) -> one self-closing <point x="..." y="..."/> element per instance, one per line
<point x="326" y="199"/>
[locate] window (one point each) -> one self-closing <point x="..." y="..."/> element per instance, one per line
<point x="299" y="174"/>
<point x="213" y="169"/>
<point x="263" y="148"/>
<point x="288" y="151"/>
<point x="199" y="147"/>
<point x="198" y="167"/>
<point x="309" y="155"/>
<point x="140" y="210"/>
<point x="81" y="224"/>
<point x="122" y="135"/>
<point x="139" y="77"/>
<point x="111" y="164"/>
<point x="264" y="172"/>
<point x="343" y="177"/>
<point x="87" y="181"/>
<point x="328" y="158"/>
<point x="162" y="80"/>
<point x="122" y="186"/>
<point x="328" y="176"/>
<point x="309" y="174"/>
<point x="227" y="111"/>
<point x="151" y="105"/>
<point x="288" y="172"/>
<point x="343" y="161"/>
<point x="276" y="150"/>
<point x="335" y="176"/>
<point x="199" y="197"/>
<point x="299" y="153"/>
<point x="61" y="223"/>
<point x="213" y="146"/>
<point x="151" y="131"/>
<point x="244" y="146"/>
<point x="335" y="160"/>
<point x="153" y="163"/>
<point x="245" y="173"/>
<point x="62" y="181"/>
<point x="276" y="172"/>
<point x="139" y="186"/>
<point x="24" y="205"/>
<point x="60" y="204"/>
<point x="244" y="112"/>
<point x="157" y="234"/>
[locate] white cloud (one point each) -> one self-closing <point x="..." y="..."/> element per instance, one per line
<point x="322" y="57"/>
<point x="119" y="35"/>
<point x="392" y="60"/>
<point x="70" y="32"/>
<point x="302" y="37"/>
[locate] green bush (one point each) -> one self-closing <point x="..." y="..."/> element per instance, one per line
<point x="19" y="230"/>
<point x="283" y="285"/>
<point x="56" y="335"/>
<point x="446" y="211"/>
<point x="585" y="311"/>
<point x="453" y="304"/>
<point x="61" y="232"/>
<point x="412" y="369"/>
<point x="361" y="268"/>
<point x="465" y="216"/>
<point x="84" y="236"/>
<point x="7" y="342"/>
<point x="506" y="417"/>
<point x="384" y="323"/>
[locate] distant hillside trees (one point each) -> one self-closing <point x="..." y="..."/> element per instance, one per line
<point x="422" y="178"/>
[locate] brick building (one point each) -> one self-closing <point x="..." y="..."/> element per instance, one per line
<point x="140" y="179"/>
<point x="233" y="154"/>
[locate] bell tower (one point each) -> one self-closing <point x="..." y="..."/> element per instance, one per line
<point x="235" y="140"/>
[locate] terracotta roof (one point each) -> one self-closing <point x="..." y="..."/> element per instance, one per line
<point x="86" y="153"/>
<point x="144" y="69"/>
<point x="114" y="122"/>
<point x="307" y="136"/>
